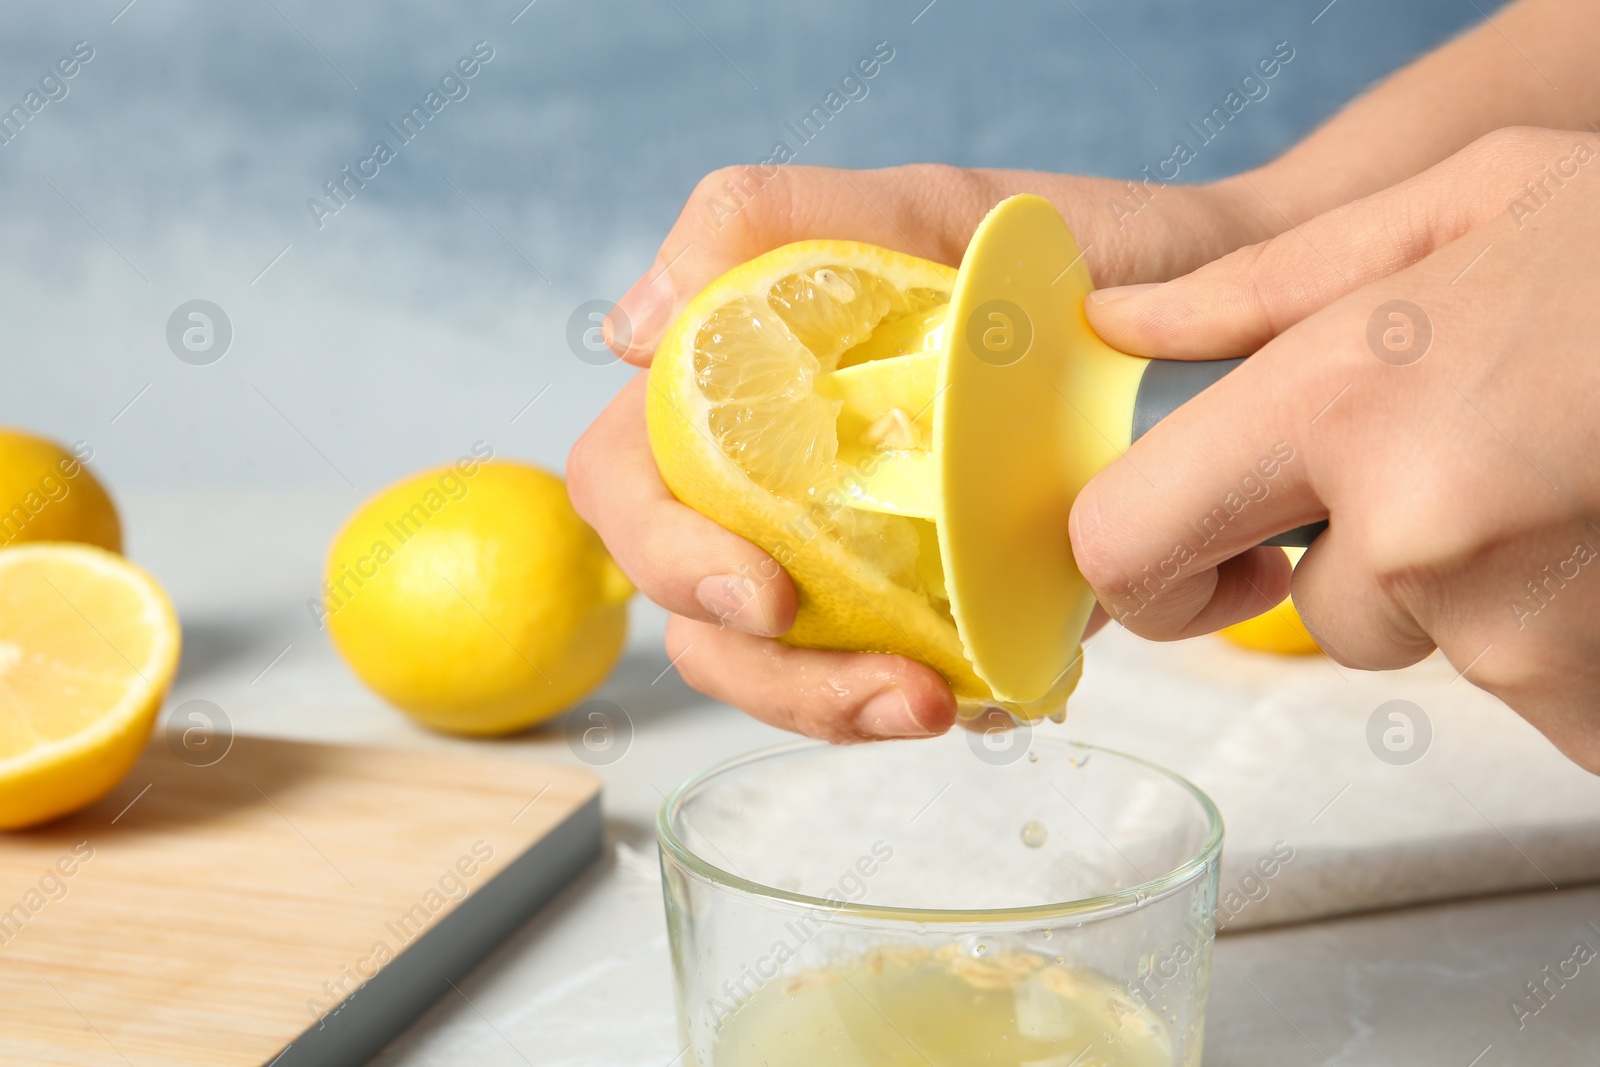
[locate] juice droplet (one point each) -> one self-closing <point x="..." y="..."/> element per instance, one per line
<point x="1034" y="833"/>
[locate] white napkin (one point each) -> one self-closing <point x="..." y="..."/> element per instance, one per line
<point x="1318" y="823"/>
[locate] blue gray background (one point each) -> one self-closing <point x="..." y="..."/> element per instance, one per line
<point x="429" y="313"/>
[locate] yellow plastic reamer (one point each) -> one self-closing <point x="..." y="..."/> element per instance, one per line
<point x="1028" y="404"/>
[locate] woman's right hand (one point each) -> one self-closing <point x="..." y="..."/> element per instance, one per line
<point x="725" y="646"/>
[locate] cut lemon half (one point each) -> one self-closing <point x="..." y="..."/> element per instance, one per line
<point x="746" y="430"/>
<point x="88" y="645"/>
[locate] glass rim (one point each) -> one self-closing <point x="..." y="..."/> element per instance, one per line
<point x="1095" y="907"/>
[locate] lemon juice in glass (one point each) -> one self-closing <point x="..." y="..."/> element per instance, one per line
<point x="942" y="903"/>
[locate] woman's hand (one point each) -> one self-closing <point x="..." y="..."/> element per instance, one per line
<point x="1427" y="378"/>
<point x="680" y="559"/>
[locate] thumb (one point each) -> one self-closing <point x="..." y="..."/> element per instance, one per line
<point x="1235" y="305"/>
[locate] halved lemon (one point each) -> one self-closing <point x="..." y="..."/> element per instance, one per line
<point x="88" y="645"/>
<point x="745" y="431"/>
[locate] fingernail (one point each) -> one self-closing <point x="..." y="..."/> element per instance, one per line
<point x="643" y="312"/>
<point x="734" y="601"/>
<point x="888" y="714"/>
<point x="1120" y="292"/>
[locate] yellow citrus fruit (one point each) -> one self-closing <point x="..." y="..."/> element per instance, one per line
<point x="88" y="646"/>
<point x="742" y="435"/>
<point x="472" y="597"/>
<point x="1279" y="629"/>
<point x="47" y="494"/>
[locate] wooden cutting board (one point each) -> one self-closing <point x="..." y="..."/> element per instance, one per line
<point x="292" y="904"/>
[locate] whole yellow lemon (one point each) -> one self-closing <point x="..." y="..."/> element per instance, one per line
<point x="47" y="494"/>
<point x="473" y="598"/>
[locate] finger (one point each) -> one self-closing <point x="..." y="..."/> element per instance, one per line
<point x="1354" y="620"/>
<point x="1156" y="532"/>
<point x="835" y="696"/>
<point x="677" y="557"/>
<point x="1234" y="306"/>
<point x="1097" y="621"/>
<point x="1234" y="590"/>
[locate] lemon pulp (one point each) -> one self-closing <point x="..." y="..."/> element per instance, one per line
<point x="758" y="362"/>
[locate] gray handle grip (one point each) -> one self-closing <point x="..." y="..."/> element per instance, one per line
<point x="1169" y="383"/>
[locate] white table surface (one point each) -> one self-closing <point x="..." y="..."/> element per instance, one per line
<point x="586" y="982"/>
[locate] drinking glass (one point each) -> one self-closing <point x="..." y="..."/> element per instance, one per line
<point x="1005" y="897"/>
